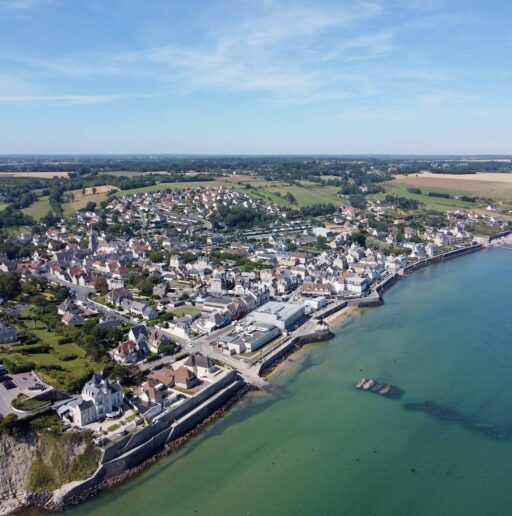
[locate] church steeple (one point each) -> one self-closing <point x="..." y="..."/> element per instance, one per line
<point x="93" y="244"/>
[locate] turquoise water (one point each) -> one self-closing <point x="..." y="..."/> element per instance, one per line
<point x="317" y="446"/>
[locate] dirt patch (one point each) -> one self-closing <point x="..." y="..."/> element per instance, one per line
<point x="93" y="190"/>
<point x="240" y="177"/>
<point x="44" y="175"/>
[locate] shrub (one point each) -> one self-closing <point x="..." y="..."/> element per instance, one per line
<point x="41" y="348"/>
<point x="68" y="357"/>
<point x="64" y="340"/>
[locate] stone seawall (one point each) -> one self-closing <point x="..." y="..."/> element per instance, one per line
<point x="160" y="438"/>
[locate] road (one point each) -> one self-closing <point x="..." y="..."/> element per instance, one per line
<point x="81" y="295"/>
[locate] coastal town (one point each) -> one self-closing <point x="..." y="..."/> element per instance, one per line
<point x="135" y="338"/>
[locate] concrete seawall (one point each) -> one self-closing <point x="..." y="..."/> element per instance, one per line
<point x="442" y="257"/>
<point x="121" y="460"/>
<point x="292" y="345"/>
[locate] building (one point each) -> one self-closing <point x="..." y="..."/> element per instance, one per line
<point x="250" y="339"/>
<point x="286" y="316"/>
<point x="130" y="352"/>
<point x="100" y="399"/>
<point x="199" y="364"/>
<point x="8" y="334"/>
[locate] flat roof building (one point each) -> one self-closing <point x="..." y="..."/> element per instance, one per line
<point x="286" y="316"/>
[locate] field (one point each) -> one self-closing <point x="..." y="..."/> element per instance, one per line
<point x="498" y="188"/>
<point x="42" y="175"/>
<point x="42" y="206"/>
<point x="305" y="193"/>
<point x="80" y="200"/>
<point x="38" y="209"/>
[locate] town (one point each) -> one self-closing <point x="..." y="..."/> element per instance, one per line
<point x="134" y="338"/>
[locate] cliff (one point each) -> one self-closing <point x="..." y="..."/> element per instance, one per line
<point x="16" y="457"/>
<point x="34" y="465"/>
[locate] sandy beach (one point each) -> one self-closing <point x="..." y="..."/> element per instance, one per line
<point x="335" y="319"/>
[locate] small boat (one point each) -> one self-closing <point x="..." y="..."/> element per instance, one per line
<point x="368" y="385"/>
<point x="360" y="383"/>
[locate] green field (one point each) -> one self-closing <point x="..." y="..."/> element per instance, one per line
<point x="305" y="193"/>
<point x="431" y="203"/>
<point x="42" y="206"/>
<point x="184" y="310"/>
<point x="38" y="209"/>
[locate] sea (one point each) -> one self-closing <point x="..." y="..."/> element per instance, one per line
<point x="315" y="445"/>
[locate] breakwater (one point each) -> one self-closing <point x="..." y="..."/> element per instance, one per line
<point x="499" y="235"/>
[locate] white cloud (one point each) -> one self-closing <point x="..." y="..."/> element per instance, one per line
<point x="63" y="99"/>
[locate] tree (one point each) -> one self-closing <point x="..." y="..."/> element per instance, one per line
<point x="10" y="286"/>
<point x="101" y="285"/>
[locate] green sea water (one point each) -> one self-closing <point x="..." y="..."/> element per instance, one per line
<point x="318" y="446"/>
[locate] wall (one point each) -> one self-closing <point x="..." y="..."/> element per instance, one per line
<point x="293" y="343"/>
<point x="152" y="440"/>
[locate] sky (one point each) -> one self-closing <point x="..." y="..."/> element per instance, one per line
<point x="256" y="76"/>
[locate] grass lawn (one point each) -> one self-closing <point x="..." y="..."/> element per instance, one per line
<point x="65" y="370"/>
<point x="23" y="402"/>
<point x="184" y="310"/>
<point x="38" y="209"/>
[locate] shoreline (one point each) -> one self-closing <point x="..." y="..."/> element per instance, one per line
<point x="50" y="506"/>
<point x="335" y="323"/>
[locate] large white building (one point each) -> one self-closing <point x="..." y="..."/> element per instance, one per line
<point x="286" y="316"/>
<point x="100" y="399"/>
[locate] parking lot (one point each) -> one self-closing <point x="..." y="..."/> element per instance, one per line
<point x="13" y="384"/>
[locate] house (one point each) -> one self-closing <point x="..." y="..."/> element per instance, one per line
<point x="8" y="334"/>
<point x="129" y="352"/>
<point x="69" y="318"/>
<point x="138" y="333"/>
<point x="156" y="340"/>
<point x="356" y="284"/>
<point x="117" y="295"/>
<point x="99" y="399"/>
<point x="151" y="392"/>
<point x="181" y="377"/>
<point x="199" y="364"/>
<point x="184" y="378"/>
<point x="160" y="290"/>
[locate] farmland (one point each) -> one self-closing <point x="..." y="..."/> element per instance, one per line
<point x="497" y="187"/>
<point x="39" y="175"/>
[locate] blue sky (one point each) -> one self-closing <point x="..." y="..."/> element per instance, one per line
<point x="255" y="77"/>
